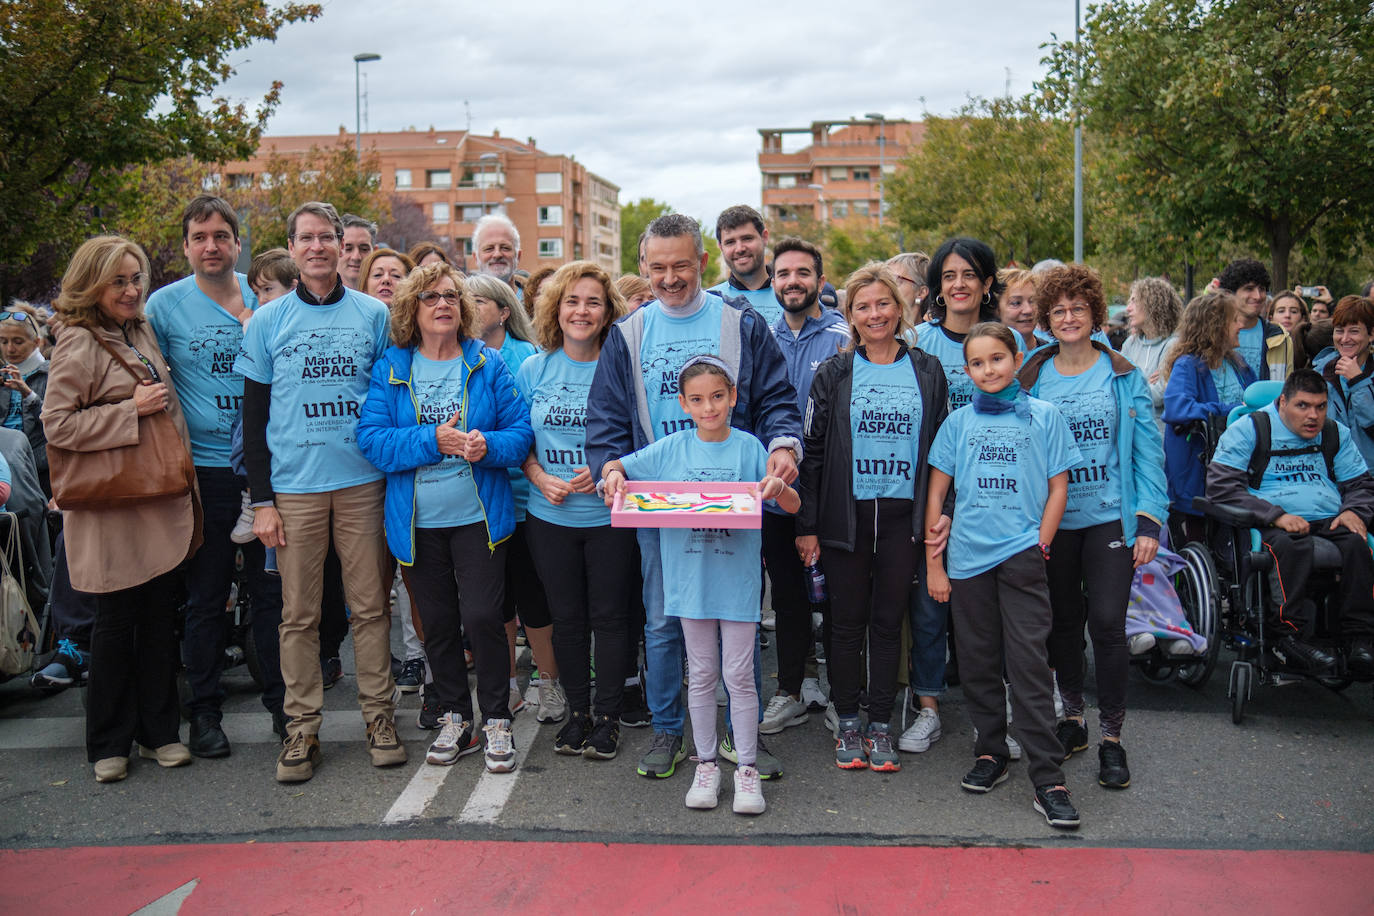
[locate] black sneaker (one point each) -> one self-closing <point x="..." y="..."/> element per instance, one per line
<point x="1359" y="658"/>
<point x="207" y="737"/>
<point x="412" y="676"/>
<point x="332" y="669"/>
<point x="1112" y="772"/>
<point x="634" y="712"/>
<point x="1072" y="735"/>
<point x="604" y="741"/>
<point x="572" y="737"/>
<point x="68" y="666"/>
<point x="430" y="711"/>
<point x="1054" y="803"/>
<point x="1296" y="654"/>
<point x="986" y="773"/>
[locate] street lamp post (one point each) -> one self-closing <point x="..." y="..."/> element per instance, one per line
<point x="1077" y="137"/>
<point x="358" y="61"/>
<point x="820" y="196"/>
<point x="882" y="148"/>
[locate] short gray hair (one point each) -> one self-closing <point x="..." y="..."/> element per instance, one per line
<point x="494" y="219"/>
<point x="676" y="225"/>
<point x="319" y="209"/>
<point x="353" y="221"/>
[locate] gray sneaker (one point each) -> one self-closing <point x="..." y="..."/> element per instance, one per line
<point x="782" y="712"/>
<point x="553" y="702"/>
<point x="882" y="756"/>
<point x="769" y="767"/>
<point x="665" y="753"/>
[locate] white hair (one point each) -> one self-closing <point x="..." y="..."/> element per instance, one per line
<point x="494" y="219"/>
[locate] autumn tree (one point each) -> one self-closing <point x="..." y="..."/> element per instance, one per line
<point x="89" y="88"/>
<point x="633" y="220"/>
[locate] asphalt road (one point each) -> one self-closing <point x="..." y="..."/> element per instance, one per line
<point x="1294" y="775"/>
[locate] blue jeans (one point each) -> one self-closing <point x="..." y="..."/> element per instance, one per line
<point x="929" y="623"/>
<point x="663" y="647"/>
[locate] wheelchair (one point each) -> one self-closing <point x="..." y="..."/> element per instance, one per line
<point x="1240" y="570"/>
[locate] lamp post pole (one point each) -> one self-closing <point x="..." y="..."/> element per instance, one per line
<point x="882" y="148"/>
<point x="1077" y="137"/>
<point x="358" y="61"/>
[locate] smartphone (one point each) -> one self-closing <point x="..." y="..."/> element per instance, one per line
<point x="1310" y="291"/>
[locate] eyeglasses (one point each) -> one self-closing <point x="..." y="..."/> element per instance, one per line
<point x="903" y="278"/>
<point x="431" y="297"/>
<point x="324" y="238"/>
<point x="1062" y="312"/>
<point x="119" y="283"/>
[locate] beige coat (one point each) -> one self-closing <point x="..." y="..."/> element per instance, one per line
<point x="113" y="549"/>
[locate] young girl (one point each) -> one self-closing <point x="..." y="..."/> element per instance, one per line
<point x="715" y="586"/>
<point x="1007" y="455"/>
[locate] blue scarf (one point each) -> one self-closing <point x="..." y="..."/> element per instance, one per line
<point x="1005" y="401"/>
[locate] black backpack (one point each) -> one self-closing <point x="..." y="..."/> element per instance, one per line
<point x="1259" y="458"/>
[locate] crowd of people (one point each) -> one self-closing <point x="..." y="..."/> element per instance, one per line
<point x="973" y="459"/>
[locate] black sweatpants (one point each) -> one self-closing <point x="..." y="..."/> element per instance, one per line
<point x="790" y="602"/>
<point x="869" y="589"/>
<point x="450" y="562"/>
<point x="1090" y="572"/>
<point x="1004" y="613"/>
<point x="589" y="574"/>
<point x="1293" y="561"/>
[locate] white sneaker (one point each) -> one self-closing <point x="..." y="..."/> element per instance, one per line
<point x="769" y="619"/>
<point x="553" y="702"/>
<point x="782" y="712"/>
<point x="926" y="729"/>
<point x="832" y="719"/>
<point x="722" y="699"/>
<point x="456" y="739"/>
<point x="1013" y="748"/>
<point x="243" y="528"/>
<point x="500" y="746"/>
<point x="705" y="791"/>
<point x="1140" y="643"/>
<point x="812" y="695"/>
<point x="748" y="791"/>
<point x="1179" y="647"/>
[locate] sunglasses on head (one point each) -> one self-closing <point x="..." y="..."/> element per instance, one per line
<point x="20" y="316"/>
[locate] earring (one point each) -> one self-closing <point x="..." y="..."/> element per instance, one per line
<point x="940" y="299"/>
<point x="987" y="297"/>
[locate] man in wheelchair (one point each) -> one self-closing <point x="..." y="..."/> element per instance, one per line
<point x="1314" y="487"/>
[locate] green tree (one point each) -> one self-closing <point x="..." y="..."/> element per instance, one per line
<point x="997" y="170"/>
<point x="633" y="220"/>
<point x="1246" y="120"/>
<point x="91" y="87"/>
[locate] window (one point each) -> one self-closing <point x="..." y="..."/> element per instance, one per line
<point x="438" y="178"/>
<point x="861" y="174"/>
<point x="466" y="246"/>
<point x="838" y="173"/>
<point x="243" y="180"/>
<point x="551" y="248"/>
<point x="402" y="178"/>
<point x="550" y="216"/>
<point x="786" y="214"/>
<point x="472" y="212"/>
<point x="212" y="182"/>
<point x="861" y="208"/>
<point x="889" y="168"/>
<point x="605" y="222"/>
<point x="839" y="209"/>
<point x="440" y="213"/>
<point x="549" y="183"/>
<point x="605" y="251"/>
<point x="787" y="181"/>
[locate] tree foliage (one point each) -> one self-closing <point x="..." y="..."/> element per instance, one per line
<point x="634" y="218"/>
<point x="89" y="88"/>
<point x="1242" y="120"/>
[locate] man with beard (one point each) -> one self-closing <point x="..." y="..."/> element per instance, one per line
<point x="359" y="241"/>
<point x="743" y="240"/>
<point x="496" y="245"/>
<point x="808" y="335"/>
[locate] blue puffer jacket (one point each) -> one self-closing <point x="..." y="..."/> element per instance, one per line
<point x="391" y="436"/>
<point x="1191" y="395"/>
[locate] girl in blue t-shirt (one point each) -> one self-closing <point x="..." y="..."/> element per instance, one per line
<point x="1007" y="455"/>
<point x="711" y="577"/>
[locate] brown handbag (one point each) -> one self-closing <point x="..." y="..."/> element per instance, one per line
<point x="158" y="466"/>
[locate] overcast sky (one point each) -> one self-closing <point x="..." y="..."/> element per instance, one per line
<point x="663" y="100"/>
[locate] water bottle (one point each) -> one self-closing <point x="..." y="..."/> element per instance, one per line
<point x="815" y="584"/>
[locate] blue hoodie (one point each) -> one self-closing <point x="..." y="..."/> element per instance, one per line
<point x="392" y="438"/>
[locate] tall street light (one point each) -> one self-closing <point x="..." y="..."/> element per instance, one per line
<point x="820" y="195"/>
<point x="882" y="146"/>
<point x="358" y="61"/>
<point x="1077" y="136"/>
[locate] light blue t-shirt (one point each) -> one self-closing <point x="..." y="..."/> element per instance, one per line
<point x="668" y="343"/>
<point x="445" y="493"/>
<point x="318" y="360"/>
<point x="708" y="573"/>
<point x="555" y="386"/>
<point x="201" y="341"/>
<point x="1296" y="483"/>
<point x="948" y="347"/>
<point x="1229" y="388"/>
<point x="1001" y="465"/>
<point x="884" y="421"/>
<point x="1087" y="403"/>
<point x="1251" y="348"/>
<point x="514" y="352"/>
<point x="762" y="301"/>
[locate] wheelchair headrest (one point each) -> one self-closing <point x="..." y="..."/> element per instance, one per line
<point x="1259" y="394"/>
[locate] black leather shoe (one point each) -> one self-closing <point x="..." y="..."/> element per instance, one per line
<point x="1360" y="658"/>
<point x="1294" y="653"/>
<point x="207" y="738"/>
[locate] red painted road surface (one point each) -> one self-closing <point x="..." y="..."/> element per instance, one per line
<point x="421" y="876"/>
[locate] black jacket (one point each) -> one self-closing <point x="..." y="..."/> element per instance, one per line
<point x="826" y="482"/>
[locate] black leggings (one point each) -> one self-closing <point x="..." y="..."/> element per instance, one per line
<point x="1089" y="573"/>
<point x="590" y="569"/>
<point x="869" y="589"/>
<point x="524" y="590"/>
<point x="790" y="602"/>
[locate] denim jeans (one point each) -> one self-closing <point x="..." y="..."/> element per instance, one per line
<point x="663" y="647"/>
<point x="929" y="625"/>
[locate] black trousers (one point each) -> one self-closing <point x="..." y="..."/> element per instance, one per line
<point x="132" y="692"/>
<point x="73" y="612"/>
<point x="525" y="594"/>
<point x="450" y="562"/>
<point x="1090" y="581"/>
<point x="1293" y="562"/>
<point x="869" y="590"/>
<point x="790" y="601"/>
<point x="590" y="576"/>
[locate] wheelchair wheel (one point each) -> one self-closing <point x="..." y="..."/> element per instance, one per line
<point x="1241" y="675"/>
<point x="1156" y="671"/>
<point x="1196" y="585"/>
<point x="250" y="657"/>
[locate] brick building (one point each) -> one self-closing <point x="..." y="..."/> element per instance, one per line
<point x="563" y="211"/>
<point x="838" y="175"/>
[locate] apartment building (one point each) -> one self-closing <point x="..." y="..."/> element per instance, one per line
<point x="838" y="175"/>
<point x="563" y="211"/>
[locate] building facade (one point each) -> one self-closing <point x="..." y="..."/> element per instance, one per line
<point x="839" y="174"/>
<point x="562" y="211"/>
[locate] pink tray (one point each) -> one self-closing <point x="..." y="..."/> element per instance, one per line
<point x="629" y="513"/>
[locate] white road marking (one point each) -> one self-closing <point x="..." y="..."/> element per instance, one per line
<point x="169" y="904"/>
<point x="418" y="793"/>
<point x="493" y="790"/>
